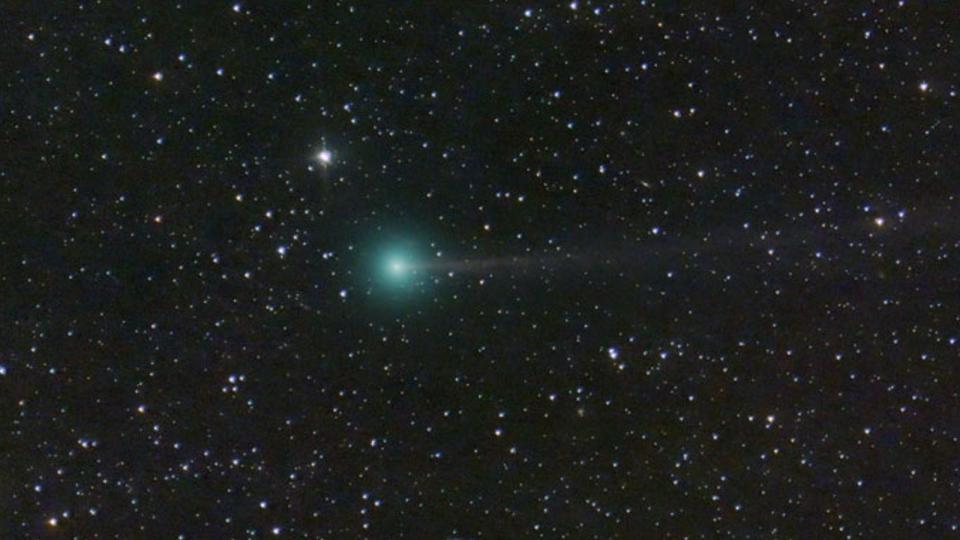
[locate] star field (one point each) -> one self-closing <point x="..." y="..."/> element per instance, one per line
<point x="479" y="270"/>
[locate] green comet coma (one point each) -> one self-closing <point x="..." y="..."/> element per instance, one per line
<point x="396" y="266"/>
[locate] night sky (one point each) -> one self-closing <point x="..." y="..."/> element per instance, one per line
<point x="479" y="269"/>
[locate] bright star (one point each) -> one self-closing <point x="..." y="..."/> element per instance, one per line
<point x="325" y="157"/>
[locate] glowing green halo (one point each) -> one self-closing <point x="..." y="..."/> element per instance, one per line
<point x="396" y="267"/>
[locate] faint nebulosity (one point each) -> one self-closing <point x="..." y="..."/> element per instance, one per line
<point x="479" y="270"/>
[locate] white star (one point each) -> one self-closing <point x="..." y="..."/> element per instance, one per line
<point x="325" y="157"/>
